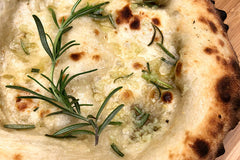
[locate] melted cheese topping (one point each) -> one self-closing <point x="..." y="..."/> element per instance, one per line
<point x="114" y="52"/>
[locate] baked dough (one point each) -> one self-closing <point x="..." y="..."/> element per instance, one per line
<point x="205" y="94"/>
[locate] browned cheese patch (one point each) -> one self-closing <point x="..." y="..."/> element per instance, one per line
<point x="124" y="15"/>
<point x="178" y="69"/>
<point x="17" y="157"/>
<point x="23" y="104"/>
<point x="167" y="97"/>
<point x="43" y="113"/>
<point x="135" y="23"/>
<point x="137" y="65"/>
<point x="96" y="57"/>
<point x="200" y="147"/>
<point x="211" y="50"/>
<point x="211" y="25"/>
<point x="96" y="32"/>
<point x="77" y="56"/>
<point x="221" y="43"/>
<point x="127" y="95"/>
<point x="156" y="21"/>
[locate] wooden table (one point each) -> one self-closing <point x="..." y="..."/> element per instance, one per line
<point x="232" y="7"/>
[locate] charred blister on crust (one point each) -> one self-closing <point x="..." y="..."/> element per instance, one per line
<point x="224" y="89"/>
<point x="167" y="97"/>
<point x="156" y="21"/>
<point x="220" y="150"/>
<point x="77" y="56"/>
<point x="135" y="23"/>
<point x="211" y="50"/>
<point x="200" y="147"/>
<point x="211" y="25"/>
<point x="124" y="15"/>
<point x="137" y="65"/>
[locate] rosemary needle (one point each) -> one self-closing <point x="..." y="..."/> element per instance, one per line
<point x="19" y="126"/>
<point x="115" y="149"/>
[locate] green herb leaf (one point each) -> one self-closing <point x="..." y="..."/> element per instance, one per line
<point x="19" y="126"/>
<point x="166" y="51"/>
<point x="42" y="36"/>
<point x="127" y="76"/>
<point x="114" y="123"/>
<point x="143" y="120"/>
<point x="106" y="100"/>
<point x="54" y="16"/>
<point x="70" y="128"/>
<point x="109" y="118"/>
<point x="115" y="149"/>
<point x="24" y="48"/>
<point x="35" y="70"/>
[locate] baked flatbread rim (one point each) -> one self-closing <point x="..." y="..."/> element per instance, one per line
<point x="204" y="142"/>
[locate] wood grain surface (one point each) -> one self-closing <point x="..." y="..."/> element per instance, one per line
<point x="232" y="8"/>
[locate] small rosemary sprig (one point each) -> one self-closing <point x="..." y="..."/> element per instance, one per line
<point x="153" y="78"/>
<point x="68" y="104"/>
<point x="126" y="76"/>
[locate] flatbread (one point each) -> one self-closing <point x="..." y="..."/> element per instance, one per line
<point x="191" y="125"/>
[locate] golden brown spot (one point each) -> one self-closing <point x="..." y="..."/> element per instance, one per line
<point x="200" y="147"/>
<point x="167" y="97"/>
<point x="135" y="23"/>
<point x="23" y="104"/>
<point x="77" y="56"/>
<point x="127" y="95"/>
<point x="96" y="32"/>
<point x="221" y="42"/>
<point x="156" y="21"/>
<point x="209" y="23"/>
<point x="17" y="157"/>
<point x="61" y="19"/>
<point x="96" y="57"/>
<point x="211" y="50"/>
<point x="43" y="113"/>
<point x="137" y="65"/>
<point x="224" y="89"/>
<point x="124" y="15"/>
<point x="178" y="68"/>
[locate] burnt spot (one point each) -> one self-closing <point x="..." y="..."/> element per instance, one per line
<point x="236" y="68"/>
<point x="178" y="68"/>
<point x="211" y="50"/>
<point x="17" y="157"/>
<point x="222" y="14"/>
<point x="18" y="100"/>
<point x="224" y="89"/>
<point x="77" y="56"/>
<point x="221" y="43"/>
<point x="209" y="23"/>
<point x="96" y="32"/>
<point x="96" y="57"/>
<point x="201" y="147"/>
<point x="156" y="21"/>
<point x="236" y="103"/>
<point x="220" y="116"/>
<point x="167" y="97"/>
<point x="220" y="150"/>
<point x="137" y="65"/>
<point x="135" y="23"/>
<point x="124" y="15"/>
<point x="213" y="27"/>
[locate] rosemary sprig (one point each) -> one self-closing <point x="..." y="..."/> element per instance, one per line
<point x="59" y="98"/>
<point x="19" y="126"/>
<point x="24" y="47"/>
<point x="115" y="149"/>
<point x="155" y="29"/>
<point x="127" y="76"/>
<point x="141" y="117"/>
